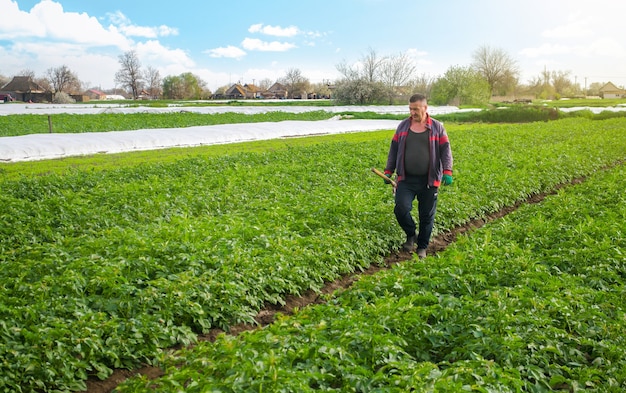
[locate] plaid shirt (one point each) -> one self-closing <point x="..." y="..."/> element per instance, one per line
<point x="440" y="152"/>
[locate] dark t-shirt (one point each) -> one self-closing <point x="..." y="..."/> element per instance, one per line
<point x="417" y="154"/>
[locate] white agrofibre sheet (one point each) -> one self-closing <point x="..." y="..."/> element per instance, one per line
<point x="49" y="146"/>
<point x="90" y="109"/>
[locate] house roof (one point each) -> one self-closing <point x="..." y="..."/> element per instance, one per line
<point x="236" y="87"/>
<point x="277" y="87"/>
<point x="251" y="88"/>
<point x="96" y="92"/>
<point x="610" y="87"/>
<point x="23" y="84"/>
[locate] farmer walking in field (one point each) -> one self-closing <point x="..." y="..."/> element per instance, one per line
<point x="421" y="157"/>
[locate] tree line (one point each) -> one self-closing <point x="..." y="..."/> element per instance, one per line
<point x="373" y="79"/>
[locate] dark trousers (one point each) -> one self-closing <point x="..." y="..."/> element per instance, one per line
<point x="416" y="187"/>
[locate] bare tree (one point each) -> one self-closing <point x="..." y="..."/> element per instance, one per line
<point x="348" y="72"/>
<point x="374" y="79"/>
<point x="3" y="80"/>
<point x="395" y="73"/>
<point x="322" y="89"/>
<point x="594" y="88"/>
<point x="497" y="67"/>
<point x="423" y="84"/>
<point x="222" y="90"/>
<point x="297" y="85"/>
<point x="129" y="76"/>
<point x="264" y="84"/>
<point x="539" y="86"/>
<point x="563" y="85"/>
<point x="359" y="85"/>
<point x="27" y="72"/>
<point x="153" y="82"/>
<point x="371" y="65"/>
<point x="42" y="82"/>
<point x="62" y="79"/>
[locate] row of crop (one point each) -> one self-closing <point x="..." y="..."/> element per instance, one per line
<point x="525" y="114"/>
<point x="102" y="269"/>
<point x="533" y="302"/>
<point x="14" y="125"/>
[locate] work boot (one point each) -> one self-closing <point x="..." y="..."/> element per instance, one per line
<point x="409" y="245"/>
<point x="421" y="253"/>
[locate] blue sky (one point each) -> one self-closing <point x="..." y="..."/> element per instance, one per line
<point x="229" y="41"/>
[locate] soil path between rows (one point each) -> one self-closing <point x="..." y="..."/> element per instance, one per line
<point x="267" y="315"/>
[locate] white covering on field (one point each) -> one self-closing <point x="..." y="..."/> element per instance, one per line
<point x="47" y="146"/>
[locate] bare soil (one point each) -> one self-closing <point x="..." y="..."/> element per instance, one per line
<point x="266" y="316"/>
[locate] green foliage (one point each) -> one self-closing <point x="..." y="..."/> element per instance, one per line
<point x="13" y="125"/>
<point x="581" y="102"/>
<point x="514" y="114"/>
<point x="106" y="268"/>
<point x="461" y="86"/>
<point x="525" y="114"/>
<point x="596" y="116"/>
<point x="184" y="86"/>
<point x="533" y="302"/>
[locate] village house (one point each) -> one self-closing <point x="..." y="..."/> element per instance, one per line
<point x="23" y="88"/>
<point x="238" y="92"/>
<point x="277" y="90"/>
<point x="609" y="90"/>
<point x="249" y="91"/>
<point x="94" y="94"/>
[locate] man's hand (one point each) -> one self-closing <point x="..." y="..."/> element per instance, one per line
<point x="389" y="176"/>
<point x="446" y="180"/>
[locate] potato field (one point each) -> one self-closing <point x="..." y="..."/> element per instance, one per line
<point x="124" y="265"/>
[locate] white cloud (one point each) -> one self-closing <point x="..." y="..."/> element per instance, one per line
<point x="607" y="47"/>
<point x="48" y="20"/>
<point x="602" y="47"/>
<point x="585" y="41"/>
<point x="227" y="51"/>
<point x="274" y="30"/>
<point x="255" y="75"/>
<point x="577" y="26"/>
<point x="547" y="50"/>
<point x="416" y="53"/>
<point x="571" y="30"/>
<point x="118" y="18"/>
<point x="165" y="31"/>
<point x="138" y="31"/>
<point x="315" y="34"/>
<point x="123" y="24"/>
<point x="17" y="23"/>
<point x="264" y="46"/>
<point x="47" y="36"/>
<point x="94" y="69"/>
<point x="156" y="54"/>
